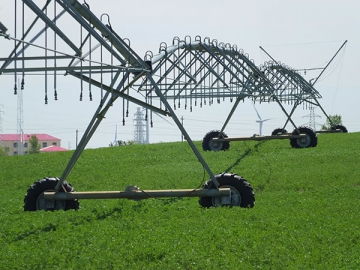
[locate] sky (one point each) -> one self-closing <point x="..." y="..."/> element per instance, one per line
<point x="302" y="34"/>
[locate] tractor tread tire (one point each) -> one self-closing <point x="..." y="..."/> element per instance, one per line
<point x="42" y="185"/>
<point x="235" y="181"/>
<point x="207" y="141"/>
<point x="341" y="127"/>
<point x="311" y="135"/>
<point x="276" y="131"/>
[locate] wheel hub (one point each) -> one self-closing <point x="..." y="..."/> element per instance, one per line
<point x="235" y="198"/>
<point x="304" y="142"/>
<point x="42" y="204"/>
<point x="215" y="145"/>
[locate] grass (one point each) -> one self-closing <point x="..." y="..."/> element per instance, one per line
<point x="305" y="217"/>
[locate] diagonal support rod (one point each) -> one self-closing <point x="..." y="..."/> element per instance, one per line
<point x="50" y="23"/>
<point x="183" y="131"/>
<point x="94" y="123"/>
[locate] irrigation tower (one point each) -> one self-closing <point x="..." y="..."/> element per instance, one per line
<point x="189" y="72"/>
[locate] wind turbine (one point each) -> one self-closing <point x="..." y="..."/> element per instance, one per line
<point x="260" y="121"/>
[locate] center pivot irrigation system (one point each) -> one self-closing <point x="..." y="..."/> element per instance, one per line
<point x="186" y="74"/>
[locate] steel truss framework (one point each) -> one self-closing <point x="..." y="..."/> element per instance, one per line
<point x="188" y="73"/>
<point x="197" y="72"/>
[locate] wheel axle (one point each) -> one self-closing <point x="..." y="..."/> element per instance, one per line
<point x="137" y="194"/>
<point x="260" y="138"/>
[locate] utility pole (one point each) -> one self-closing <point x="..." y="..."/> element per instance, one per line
<point x="147" y="128"/>
<point x="182" y="123"/>
<point x="20" y="120"/>
<point x="1" y="131"/>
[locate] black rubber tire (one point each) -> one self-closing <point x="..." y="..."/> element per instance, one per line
<point x="47" y="184"/>
<point x="278" y="131"/>
<point x="341" y="127"/>
<point x="310" y="141"/>
<point x="209" y="145"/>
<point x="235" y="182"/>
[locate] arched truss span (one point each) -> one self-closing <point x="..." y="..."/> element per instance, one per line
<point x="200" y="70"/>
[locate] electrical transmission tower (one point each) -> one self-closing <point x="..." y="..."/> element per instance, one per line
<point x="312" y="123"/>
<point x="140" y="128"/>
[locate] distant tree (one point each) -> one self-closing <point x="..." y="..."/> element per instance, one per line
<point x="335" y="119"/>
<point x="34" y="145"/>
<point x="3" y="151"/>
<point x="120" y="143"/>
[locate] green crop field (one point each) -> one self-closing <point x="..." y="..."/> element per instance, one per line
<point x="306" y="214"/>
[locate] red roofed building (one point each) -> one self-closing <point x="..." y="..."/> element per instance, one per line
<point x="15" y="145"/>
<point x="52" y="148"/>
